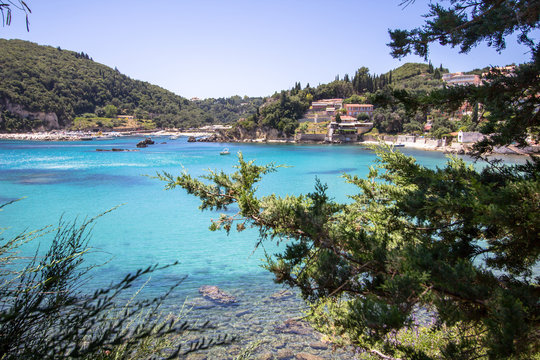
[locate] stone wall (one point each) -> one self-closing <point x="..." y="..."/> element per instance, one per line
<point x="345" y="137"/>
<point x="406" y="139"/>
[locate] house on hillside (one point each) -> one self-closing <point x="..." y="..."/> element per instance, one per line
<point x="348" y="129"/>
<point x="357" y="109"/>
<point x="323" y="104"/>
<point x="323" y="110"/>
<point x="461" y="79"/>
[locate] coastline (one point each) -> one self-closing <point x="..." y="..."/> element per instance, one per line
<point x="452" y="148"/>
<point x="205" y="136"/>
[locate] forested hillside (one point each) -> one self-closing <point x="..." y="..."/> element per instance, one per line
<point x="283" y="110"/>
<point x="46" y="87"/>
<point x="42" y="85"/>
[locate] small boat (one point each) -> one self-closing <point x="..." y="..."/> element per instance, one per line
<point x="174" y="137"/>
<point x="399" y="145"/>
<point x="87" y="138"/>
<point x="224" y="152"/>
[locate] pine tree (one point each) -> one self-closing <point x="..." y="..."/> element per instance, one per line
<point x="458" y="242"/>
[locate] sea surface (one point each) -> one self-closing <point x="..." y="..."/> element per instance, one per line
<point x="151" y="225"/>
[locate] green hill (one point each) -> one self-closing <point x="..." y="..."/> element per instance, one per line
<point x="417" y="76"/>
<point x="47" y="87"/>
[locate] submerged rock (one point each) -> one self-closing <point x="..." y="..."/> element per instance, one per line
<point x="283" y="294"/>
<point x="201" y="303"/>
<point x="284" y="354"/>
<point x="217" y="295"/>
<point x="297" y="327"/>
<point x="265" y="356"/>
<point x="318" y="345"/>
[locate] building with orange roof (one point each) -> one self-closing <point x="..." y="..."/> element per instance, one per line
<point x="357" y="109"/>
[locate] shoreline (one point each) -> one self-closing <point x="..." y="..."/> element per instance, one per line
<point x="453" y="148"/>
<point x="58" y="135"/>
<point x="85" y="135"/>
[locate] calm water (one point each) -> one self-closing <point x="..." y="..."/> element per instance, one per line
<point x="72" y="179"/>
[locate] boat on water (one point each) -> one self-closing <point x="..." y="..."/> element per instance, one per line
<point x="399" y="145"/>
<point x="225" y="152"/>
<point x="104" y="138"/>
<point x="174" y="137"/>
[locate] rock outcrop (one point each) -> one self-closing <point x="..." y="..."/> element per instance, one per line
<point x="144" y="143"/>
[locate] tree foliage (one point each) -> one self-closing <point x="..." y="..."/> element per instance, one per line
<point x="281" y="112"/>
<point x="457" y="242"/>
<point x="7" y="7"/>
<point x="509" y="98"/>
<point x="466" y="23"/>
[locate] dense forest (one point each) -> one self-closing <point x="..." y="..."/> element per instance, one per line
<point x="44" y="79"/>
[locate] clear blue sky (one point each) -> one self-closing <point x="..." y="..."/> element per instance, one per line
<point x="217" y="48"/>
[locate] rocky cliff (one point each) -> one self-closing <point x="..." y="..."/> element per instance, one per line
<point x="43" y="120"/>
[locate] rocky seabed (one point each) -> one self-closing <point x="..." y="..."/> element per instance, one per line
<point x="270" y="324"/>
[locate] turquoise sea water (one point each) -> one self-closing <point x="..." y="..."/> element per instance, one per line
<point x="72" y="179"/>
<point x="153" y="225"/>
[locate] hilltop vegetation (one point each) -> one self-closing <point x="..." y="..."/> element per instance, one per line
<point x="66" y="84"/>
<point x="283" y="110"/>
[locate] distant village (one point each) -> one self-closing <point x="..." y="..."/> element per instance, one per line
<point x="341" y="123"/>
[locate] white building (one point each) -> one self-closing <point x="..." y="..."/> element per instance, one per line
<point x="461" y="79"/>
<point x="469" y="137"/>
